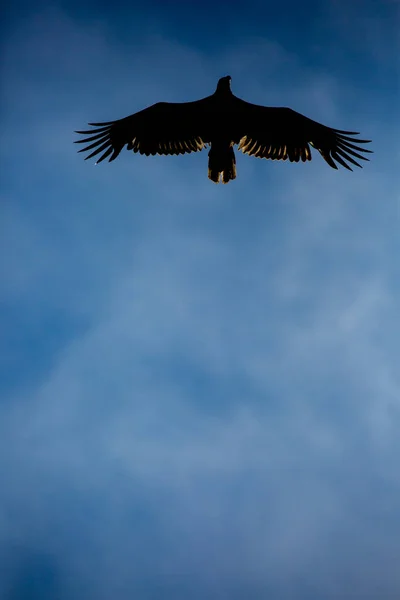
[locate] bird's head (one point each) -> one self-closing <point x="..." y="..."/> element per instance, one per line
<point x="224" y="84"/>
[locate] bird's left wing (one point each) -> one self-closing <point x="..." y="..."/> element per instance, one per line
<point x="163" y="128"/>
<point x="282" y="133"/>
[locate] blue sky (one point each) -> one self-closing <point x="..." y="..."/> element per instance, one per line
<point x="200" y="393"/>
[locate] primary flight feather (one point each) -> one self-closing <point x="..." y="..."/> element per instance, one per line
<point x="221" y="121"/>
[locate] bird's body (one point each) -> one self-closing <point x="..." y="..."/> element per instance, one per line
<point x="222" y="121"/>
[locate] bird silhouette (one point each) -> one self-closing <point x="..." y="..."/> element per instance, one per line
<point x="221" y="121"/>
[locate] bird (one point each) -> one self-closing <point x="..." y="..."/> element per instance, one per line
<point x="220" y="122"/>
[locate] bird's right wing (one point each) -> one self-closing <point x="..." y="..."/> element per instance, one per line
<point x="163" y="128"/>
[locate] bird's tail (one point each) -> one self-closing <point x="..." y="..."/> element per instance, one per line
<point x="221" y="165"/>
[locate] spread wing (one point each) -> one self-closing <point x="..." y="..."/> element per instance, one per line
<point x="163" y="128"/>
<point x="282" y="133"/>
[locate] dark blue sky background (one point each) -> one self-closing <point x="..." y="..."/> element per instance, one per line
<point x="200" y="392"/>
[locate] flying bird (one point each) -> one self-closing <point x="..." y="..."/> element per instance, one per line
<point x="221" y="121"/>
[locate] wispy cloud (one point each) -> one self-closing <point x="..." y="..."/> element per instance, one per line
<point x="201" y="392"/>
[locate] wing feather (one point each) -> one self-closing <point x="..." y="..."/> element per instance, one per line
<point x="163" y="128"/>
<point x="98" y="150"/>
<point x="90" y="138"/>
<point x="282" y="133"/>
<point x="105" y="155"/>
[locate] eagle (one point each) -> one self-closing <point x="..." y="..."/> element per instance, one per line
<point x="220" y="122"/>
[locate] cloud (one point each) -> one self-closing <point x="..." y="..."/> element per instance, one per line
<point x="218" y="406"/>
